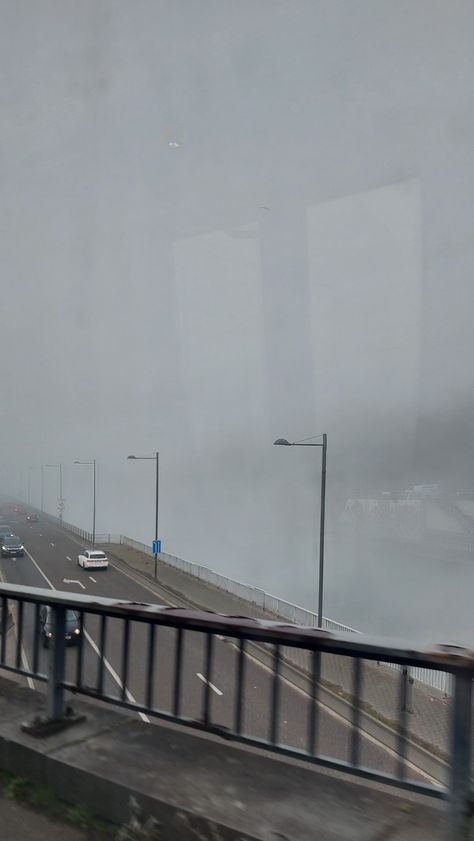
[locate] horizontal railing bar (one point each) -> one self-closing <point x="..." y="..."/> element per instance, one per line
<point x="293" y="636"/>
<point x="25" y="672"/>
<point x="346" y="767"/>
<point x="317" y="759"/>
<point x="116" y="701"/>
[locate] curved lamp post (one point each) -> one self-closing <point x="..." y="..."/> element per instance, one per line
<point x="306" y="442"/>
<point x="60" y="468"/>
<point x="156" y="459"/>
<point x="42" y="484"/>
<point x="93" y="495"/>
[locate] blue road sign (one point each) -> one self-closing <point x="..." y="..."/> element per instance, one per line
<point x="156" y="547"/>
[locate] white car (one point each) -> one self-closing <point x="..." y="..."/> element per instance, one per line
<point x="92" y="559"/>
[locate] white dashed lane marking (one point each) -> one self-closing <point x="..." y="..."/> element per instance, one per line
<point x="214" y="688"/>
<point x="92" y="579"/>
<point x="68" y="558"/>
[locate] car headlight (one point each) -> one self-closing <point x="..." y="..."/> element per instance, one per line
<point x="49" y="634"/>
<point x="77" y="631"/>
<point x="4" y="548"/>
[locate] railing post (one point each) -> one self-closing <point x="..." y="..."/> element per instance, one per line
<point x="57" y="664"/>
<point x="459" y="807"/>
<point x="409" y="690"/>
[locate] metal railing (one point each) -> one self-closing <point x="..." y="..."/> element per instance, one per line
<point x="440" y="681"/>
<point x="154" y="650"/>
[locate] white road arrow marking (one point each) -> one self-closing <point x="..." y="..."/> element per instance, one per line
<point x="214" y="688"/>
<point x="74" y="581"/>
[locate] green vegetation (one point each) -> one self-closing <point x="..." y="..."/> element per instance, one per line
<point x="43" y="799"/>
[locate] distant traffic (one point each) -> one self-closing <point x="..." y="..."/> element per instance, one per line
<point x="11" y="544"/>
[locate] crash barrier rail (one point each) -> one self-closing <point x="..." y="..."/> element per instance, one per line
<point x="155" y="649"/>
<point x="440" y="681"/>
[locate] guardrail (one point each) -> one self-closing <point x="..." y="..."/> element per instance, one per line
<point x="162" y="636"/>
<point x="273" y="604"/>
<point x="254" y="595"/>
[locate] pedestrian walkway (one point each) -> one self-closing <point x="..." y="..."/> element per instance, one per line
<point x="428" y="709"/>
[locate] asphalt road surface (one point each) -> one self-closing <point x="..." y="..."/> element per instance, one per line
<point x="51" y="561"/>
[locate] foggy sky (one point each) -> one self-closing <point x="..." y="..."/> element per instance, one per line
<point x="222" y="223"/>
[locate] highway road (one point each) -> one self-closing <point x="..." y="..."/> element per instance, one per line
<point x="51" y="561"/>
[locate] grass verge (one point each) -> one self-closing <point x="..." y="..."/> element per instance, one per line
<point x="42" y="799"/>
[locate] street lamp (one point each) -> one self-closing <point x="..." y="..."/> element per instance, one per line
<point x="156" y="459"/>
<point x="60" y="500"/>
<point x="42" y="485"/>
<point x="307" y="442"/>
<point x="93" y="496"/>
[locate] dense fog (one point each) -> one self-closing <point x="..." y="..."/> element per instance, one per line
<point x="224" y="223"/>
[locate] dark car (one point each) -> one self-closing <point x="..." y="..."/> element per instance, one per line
<point x="32" y="518"/>
<point x="73" y="627"/>
<point x="12" y="547"/>
<point x="5" y="530"/>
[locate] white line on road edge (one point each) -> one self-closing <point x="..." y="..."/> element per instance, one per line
<point x="114" y="675"/>
<point x="214" y="688"/>
<point x="74" y="581"/>
<point x="50" y="585"/>
<point x="92" y="579"/>
<point x="24" y="658"/>
<point x="26" y="666"/>
<point x="94" y="646"/>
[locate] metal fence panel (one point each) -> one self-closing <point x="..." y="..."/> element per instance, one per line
<point x="272" y="640"/>
<point x="253" y="595"/>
